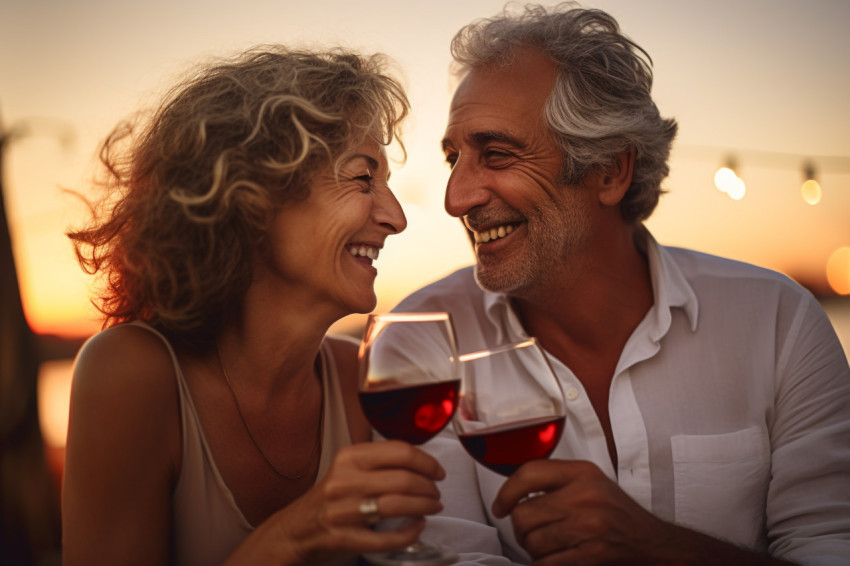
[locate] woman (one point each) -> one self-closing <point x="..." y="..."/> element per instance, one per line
<point x="212" y="421"/>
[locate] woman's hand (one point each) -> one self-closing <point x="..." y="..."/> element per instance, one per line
<point x="328" y="521"/>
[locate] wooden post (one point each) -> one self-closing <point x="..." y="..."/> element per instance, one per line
<point x="30" y="527"/>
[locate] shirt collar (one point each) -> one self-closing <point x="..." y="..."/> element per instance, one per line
<point x="670" y="287"/>
<point x="670" y="290"/>
<point x="501" y="315"/>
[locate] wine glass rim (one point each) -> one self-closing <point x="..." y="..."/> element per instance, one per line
<point x="410" y="316"/>
<point x="525" y="343"/>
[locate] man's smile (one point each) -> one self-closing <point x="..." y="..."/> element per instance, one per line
<point x="494" y="233"/>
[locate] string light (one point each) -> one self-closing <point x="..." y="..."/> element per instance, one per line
<point x="810" y="190"/>
<point x="726" y="180"/>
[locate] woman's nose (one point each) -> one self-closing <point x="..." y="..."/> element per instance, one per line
<point x="388" y="213"/>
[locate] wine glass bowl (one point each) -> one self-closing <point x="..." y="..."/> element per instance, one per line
<point x="511" y="407"/>
<point x="409" y="380"/>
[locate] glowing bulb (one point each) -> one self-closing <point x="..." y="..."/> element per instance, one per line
<point x="838" y="271"/>
<point x="727" y="181"/>
<point x="738" y="189"/>
<point x="724" y="179"/>
<point x="811" y="191"/>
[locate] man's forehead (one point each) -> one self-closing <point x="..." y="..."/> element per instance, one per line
<point x="497" y="110"/>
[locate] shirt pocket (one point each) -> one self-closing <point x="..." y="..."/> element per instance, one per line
<point x="720" y="484"/>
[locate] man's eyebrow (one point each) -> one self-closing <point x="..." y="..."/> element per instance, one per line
<point x="487" y="136"/>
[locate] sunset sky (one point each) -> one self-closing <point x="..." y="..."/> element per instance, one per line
<point x="766" y="81"/>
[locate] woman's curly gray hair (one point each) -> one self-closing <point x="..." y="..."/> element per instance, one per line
<point x="192" y="189"/>
<point x="601" y="104"/>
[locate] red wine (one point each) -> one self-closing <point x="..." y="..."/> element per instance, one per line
<point x="414" y="413"/>
<point x="505" y="448"/>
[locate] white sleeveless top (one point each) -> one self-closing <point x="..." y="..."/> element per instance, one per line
<point x="207" y="523"/>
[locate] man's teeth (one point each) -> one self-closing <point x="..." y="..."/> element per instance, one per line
<point x="364" y="251"/>
<point x="493" y="234"/>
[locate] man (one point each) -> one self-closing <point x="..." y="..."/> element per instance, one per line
<point x="708" y="400"/>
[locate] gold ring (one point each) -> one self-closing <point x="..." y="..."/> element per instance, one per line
<point x="369" y="510"/>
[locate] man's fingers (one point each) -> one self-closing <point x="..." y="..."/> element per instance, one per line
<point x="528" y="481"/>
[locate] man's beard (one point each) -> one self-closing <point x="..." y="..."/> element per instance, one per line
<point x="553" y="236"/>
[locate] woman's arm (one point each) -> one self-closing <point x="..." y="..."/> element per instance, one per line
<point x="326" y="522"/>
<point x="123" y="451"/>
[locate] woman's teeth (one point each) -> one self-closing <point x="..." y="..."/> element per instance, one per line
<point x="493" y="234"/>
<point x="364" y="251"/>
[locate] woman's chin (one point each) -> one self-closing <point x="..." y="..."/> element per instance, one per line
<point x="365" y="304"/>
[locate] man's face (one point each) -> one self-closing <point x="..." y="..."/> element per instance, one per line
<point x="505" y="183"/>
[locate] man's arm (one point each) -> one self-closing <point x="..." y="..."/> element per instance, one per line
<point x="808" y="501"/>
<point x="807" y="512"/>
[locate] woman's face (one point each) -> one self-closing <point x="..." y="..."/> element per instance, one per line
<point x="323" y="247"/>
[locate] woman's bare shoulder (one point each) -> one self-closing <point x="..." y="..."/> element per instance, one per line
<point x="125" y="353"/>
<point x="126" y="368"/>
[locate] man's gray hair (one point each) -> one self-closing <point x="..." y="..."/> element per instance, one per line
<point x="601" y="104"/>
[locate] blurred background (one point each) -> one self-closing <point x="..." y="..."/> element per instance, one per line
<point x="759" y="87"/>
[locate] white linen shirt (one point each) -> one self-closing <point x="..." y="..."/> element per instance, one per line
<point x="729" y="407"/>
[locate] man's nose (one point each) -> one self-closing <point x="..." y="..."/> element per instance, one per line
<point x="466" y="188"/>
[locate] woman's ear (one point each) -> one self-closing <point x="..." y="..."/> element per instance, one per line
<point x="613" y="181"/>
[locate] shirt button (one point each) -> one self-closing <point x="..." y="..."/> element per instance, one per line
<point x="571" y="394"/>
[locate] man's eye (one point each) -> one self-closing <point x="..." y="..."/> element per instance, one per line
<point x="451" y="159"/>
<point x="498" y="158"/>
<point x="496" y="154"/>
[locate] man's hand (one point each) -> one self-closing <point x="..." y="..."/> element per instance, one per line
<point x="582" y="517"/>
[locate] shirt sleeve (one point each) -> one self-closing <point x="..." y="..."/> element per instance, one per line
<point x="462" y="526"/>
<point x="808" y="504"/>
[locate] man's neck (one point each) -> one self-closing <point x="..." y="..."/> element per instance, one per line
<point x="595" y="307"/>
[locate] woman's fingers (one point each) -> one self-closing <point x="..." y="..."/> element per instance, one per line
<point x="358" y="512"/>
<point x="379" y="480"/>
<point x="391" y="454"/>
<point x="366" y="484"/>
<point x="374" y="483"/>
<point x="365" y="540"/>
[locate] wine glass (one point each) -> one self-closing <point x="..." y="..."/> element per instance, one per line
<point x="511" y="407"/>
<point x="409" y="386"/>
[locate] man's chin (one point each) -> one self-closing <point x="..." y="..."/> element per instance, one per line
<point x="496" y="280"/>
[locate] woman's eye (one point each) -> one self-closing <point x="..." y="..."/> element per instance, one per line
<point x="366" y="180"/>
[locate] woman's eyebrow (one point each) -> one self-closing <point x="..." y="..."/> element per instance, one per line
<point x="371" y="161"/>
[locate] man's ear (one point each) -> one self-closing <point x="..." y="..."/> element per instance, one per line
<point x="613" y="181"/>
